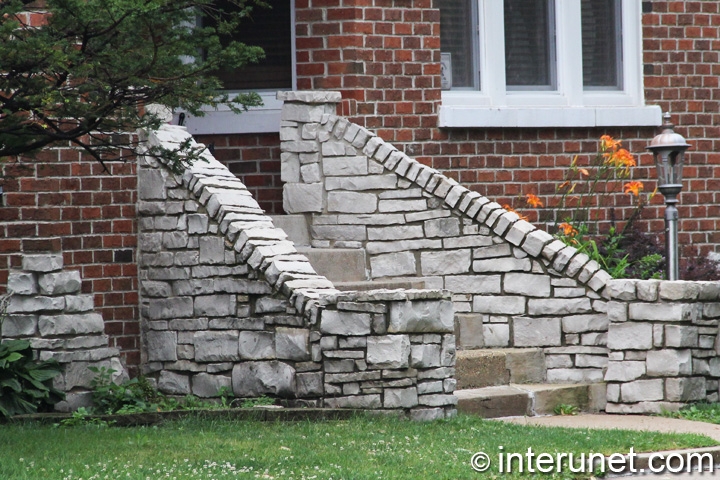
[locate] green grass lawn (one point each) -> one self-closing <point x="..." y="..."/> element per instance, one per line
<point x="362" y="448"/>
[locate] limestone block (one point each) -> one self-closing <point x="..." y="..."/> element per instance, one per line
<point x="447" y="354"/>
<point x="302" y="197"/>
<point x="169" y="308"/>
<point x="425" y="356"/>
<point x="351" y="202"/>
<point x="253" y="379"/>
<point x="197" y="223"/>
<point x="397" y="232"/>
<point x="344" y="323"/>
<point x="215" y="305"/>
<point x="270" y="305"/>
<point x="370" y="402"/>
<point x="344" y="165"/>
<point x="446" y="262"/>
<point x="22" y="283"/>
<point x="70" y="324"/>
<point x="681" y="336"/>
<point x="592" y="361"/>
<point x="393" y="264"/>
<point x="388" y="351"/>
<point x="659" y="312"/>
<point x="442" y="227"/>
<point x="161" y="346"/>
<point x="256" y="345"/>
<point x="19" y="326"/>
<point x="469" y="330"/>
<point x="400" y="397"/>
<point x="527" y="284"/>
<point x="492" y="251"/>
<point x="501" y="265"/>
<point x="499" y="304"/>
<point x="561" y="306"/>
<point x="496" y="334"/>
<point x="310" y="173"/>
<point x="621" y="289"/>
<point x="290" y="167"/>
<point x="585" y="323"/>
<point x="630" y="336"/>
<point x="212" y="250"/>
<point x="536" y="332"/>
<point x="437" y="400"/>
<point x="216" y="346"/>
<point x="42" y="263"/>
<point x="338" y="232"/>
<point x="617" y="311"/>
<point x="292" y="343"/>
<point x="575" y="375"/>
<point x="559" y="361"/>
<point x="679" y="290"/>
<point x="173" y="383"/>
<point x="642" y="391"/>
<point x="690" y="389"/>
<point x="151" y="184"/>
<point x="476" y="284"/>
<point x="34" y="303"/>
<point x="206" y="386"/>
<point x="668" y="363"/>
<point x="421" y="316"/>
<point x="309" y="384"/>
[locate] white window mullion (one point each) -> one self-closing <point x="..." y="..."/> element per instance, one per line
<point x="569" y="42"/>
<point x="492" y="48"/>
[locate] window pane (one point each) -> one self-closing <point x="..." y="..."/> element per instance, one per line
<point x="601" y="42"/>
<point x="529" y="44"/>
<point x="270" y="29"/>
<point x="457" y="41"/>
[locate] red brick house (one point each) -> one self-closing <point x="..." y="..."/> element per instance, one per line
<point x="498" y="95"/>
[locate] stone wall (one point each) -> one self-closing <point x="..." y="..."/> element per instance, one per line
<point x="226" y="301"/>
<point x="663" y="344"/>
<point x="513" y="285"/>
<point x="47" y="309"/>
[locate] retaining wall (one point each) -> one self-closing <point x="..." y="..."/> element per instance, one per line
<point x="226" y="301"/>
<point x="47" y="309"/>
<point x="663" y="341"/>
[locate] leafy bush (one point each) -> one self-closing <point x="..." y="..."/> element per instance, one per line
<point x="26" y="384"/>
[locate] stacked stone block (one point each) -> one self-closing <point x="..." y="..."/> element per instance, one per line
<point x="227" y="301"/>
<point x="47" y="309"/>
<point x="512" y="284"/>
<point x="663" y="341"/>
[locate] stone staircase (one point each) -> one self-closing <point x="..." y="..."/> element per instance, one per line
<point x="507" y="382"/>
<point x="347" y="268"/>
<point x="491" y="383"/>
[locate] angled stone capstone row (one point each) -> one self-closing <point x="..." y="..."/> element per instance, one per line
<point x="507" y="225"/>
<point x="48" y="309"/>
<point x="664" y="344"/>
<point x="254" y="237"/>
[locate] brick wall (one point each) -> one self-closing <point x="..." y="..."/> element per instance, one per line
<point x="64" y="202"/>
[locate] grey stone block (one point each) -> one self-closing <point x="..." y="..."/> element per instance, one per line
<point x="662" y="312"/>
<point x="173" y="383"/>
<point x="58" y="283"/>
<point x="43" y="263"/>
<point x="499" y="304"/>
<point x="446" y="262"/>
<point x="309" y="384"/>
<point x="302" y="197"/>
<point x="425" y="356"/>
<point x="393" y="264"/>
<point x="351" y="202"/>
<point x="496" y="335"/>
<point x="253" y="379"/>
<point x="216" y="346"/>
<point x="257" y="345"/>
<point x="642" y="391"/>
<point x="564" y="306"/>
<point x="668" y="363"/>
<point x="388" y="351"/>
<point x="400" y="397"/>
<point x="206" y="386"/>
<point x="212" y="250"/>
<point x="630" y="336"/>
<point x="292" y="343"/>
<point x="215" y="305"/>
<point x="161" y="346"/>
<point x="689" y="389"/>
<point x="32" y="304"/>
<point x="421" y="316"/>
<point x="585" y="323"/>
<point x="536" y="332"/>
<point x="345" y="323"/>
<point x="527" y="284"/>
<point x="681" y="336"/>
<point x="79" y="303"/>
<point x="19" y="326"/>
<point x="22" y="283"/>
<point x="370" y="402"/>
<point x="72" y="324"/>
<point x="169" y="308"/>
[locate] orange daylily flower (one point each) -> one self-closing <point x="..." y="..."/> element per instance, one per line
<point x="621" y="159"/>
<point x="568" y="230"/>
<point x="609" y="143"/>
<point x="512" y="210"/>
<point x="634" y="188"/>
<point x="533" y="200"/>
<point x="584" y="172"/>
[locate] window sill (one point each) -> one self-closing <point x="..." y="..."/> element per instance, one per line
<point x="221" y="121"/>
<point x="483" y="116"/>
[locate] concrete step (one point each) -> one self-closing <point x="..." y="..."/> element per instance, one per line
<point x="295" y="226"/>
<point x="500" y="366"/>
<point x="339" y="265"/>
<point x="530" y="400"/>
<point x="388" y="284"/>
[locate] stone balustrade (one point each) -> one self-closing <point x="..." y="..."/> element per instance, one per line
<point x="227" y="301"/>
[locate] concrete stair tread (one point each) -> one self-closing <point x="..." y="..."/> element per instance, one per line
<point x="529" y="399"/>
<point x="380" y="284"/>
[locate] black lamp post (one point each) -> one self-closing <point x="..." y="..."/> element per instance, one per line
<point x="668" y="150"/>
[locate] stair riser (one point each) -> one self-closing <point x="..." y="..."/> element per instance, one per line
<point x="484" y="368"/>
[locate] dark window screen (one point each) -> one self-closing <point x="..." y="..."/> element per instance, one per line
<point x="269" y="28"/>
<point x="529" y="43"/>
<point x="601" y="41"/>
<point x="456" y="38"/>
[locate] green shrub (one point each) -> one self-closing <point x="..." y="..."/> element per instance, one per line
<point x="26" y="384"/>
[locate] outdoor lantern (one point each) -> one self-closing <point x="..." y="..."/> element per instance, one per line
<point x="668" y="150"/>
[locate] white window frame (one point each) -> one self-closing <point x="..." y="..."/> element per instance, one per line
<point x="262" y="119"/>
<point x="570" y="105"/>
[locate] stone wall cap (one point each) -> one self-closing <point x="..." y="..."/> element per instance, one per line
<point x="310" y="96"/>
